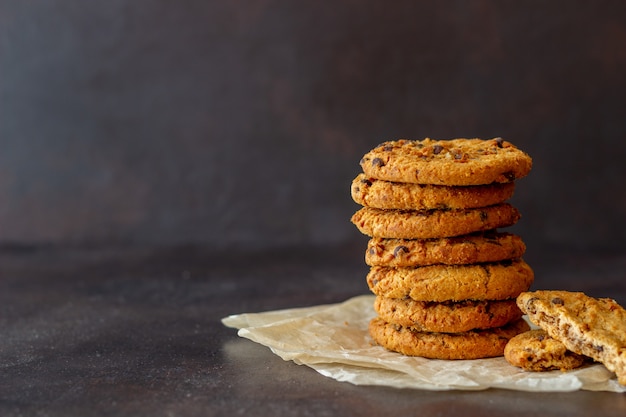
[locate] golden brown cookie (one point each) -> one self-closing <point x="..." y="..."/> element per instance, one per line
<point x="428" y="224"/>
<point x="474" y="344"/>
<point x="447" y="162"/>
<point x="593" y="327"/>
<point x="370" y="192"/>
<point x="447" y="317"/>
<point x="494" y="281"/>
<point x="536" y="351"/>
<point x="489" y="246"/>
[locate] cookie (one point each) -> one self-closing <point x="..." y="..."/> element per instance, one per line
<point x="474" y="344"/>
<point x="490" y="246"/>
<point x="494" y="281"/>
<point x="447" y="162"/>
<point x="536" y="351"/>
<point x="447" y="317"/>
<point x="593" y="327"/>
<point x="370" y="192"/>
<point x="428" y="224"/>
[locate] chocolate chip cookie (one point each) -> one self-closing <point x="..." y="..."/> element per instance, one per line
<point x="536" y="351"/>
<point x="428" y="224"/>
<point x="494" y="281"/>
<point x="447" y="317"/>
<point x="489" y="246"/>
<point x="370" y="192"/>
<point x="474" y="344"/>
<point x="456" y="162"/>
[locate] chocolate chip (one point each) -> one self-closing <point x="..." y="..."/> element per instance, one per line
<point x="484" y="215"/>
<point x="378" y="162"/>
<point x="499" y="142"/>
<point x="530" y="304"/>
<point x="598" y="348"/>
<point x="437" y="149"/>
<point x="558" y="301"/>
<point x="399" y="249"/>
<point x="509" y="175"/>
<point x="460" y="156"/>
<point x="366" y="181"/>
<point x="388" y="148"/>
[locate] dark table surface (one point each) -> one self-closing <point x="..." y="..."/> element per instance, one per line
<point x="137" y="331"/>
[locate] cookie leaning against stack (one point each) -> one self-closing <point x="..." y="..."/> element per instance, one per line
<point x="444" y="277"/>
<point x="592" y="327"/>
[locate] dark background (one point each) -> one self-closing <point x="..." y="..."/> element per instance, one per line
<point x="164" y="164"/>
<point x="240" y="124"/>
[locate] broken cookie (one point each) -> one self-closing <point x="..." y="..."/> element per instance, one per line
<point x="593" y="327"/>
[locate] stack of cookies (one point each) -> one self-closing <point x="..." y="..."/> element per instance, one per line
<point x="445" y="277"/>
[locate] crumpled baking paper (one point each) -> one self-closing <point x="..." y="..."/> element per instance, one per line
<point x="334" y="340"/>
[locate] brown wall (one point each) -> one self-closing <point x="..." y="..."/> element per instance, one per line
<point x="242" y="122"/>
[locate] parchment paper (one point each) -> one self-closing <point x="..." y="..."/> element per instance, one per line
<point x="333" y="340"/>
